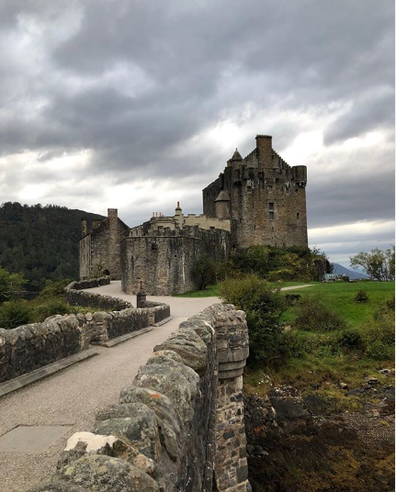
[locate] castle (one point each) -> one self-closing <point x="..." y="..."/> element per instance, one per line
<point x="256" y="200"/>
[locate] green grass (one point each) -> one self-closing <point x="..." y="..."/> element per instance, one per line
<point x="320" y="364"/>
<point x="339" y="297"/>
<point x="210" y="291"/>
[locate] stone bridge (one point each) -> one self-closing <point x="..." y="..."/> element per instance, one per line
<point x="174" y="422"/>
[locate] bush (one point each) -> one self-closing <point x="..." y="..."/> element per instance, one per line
<point x="49" y="308"/>
<point x="13" y="314"/>
<point x="350" y="340"/>
<point x="313" y="315"/>
<point x="263" y="306"/>
<point x="378" y="333"/>
<point x="361" y="296"/>
<point x="206" y="271"/>
<point x="54" y="288"/>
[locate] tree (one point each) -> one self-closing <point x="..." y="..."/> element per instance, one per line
<point x="378" y="264"/>
<point x="11" y="285"/>
<point x="205" y="271"/>
<point x="263" y="306"/>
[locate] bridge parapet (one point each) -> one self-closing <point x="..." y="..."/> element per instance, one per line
<point x="179" y="426"/>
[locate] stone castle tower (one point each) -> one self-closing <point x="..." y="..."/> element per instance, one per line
<point x="262" y="196"/>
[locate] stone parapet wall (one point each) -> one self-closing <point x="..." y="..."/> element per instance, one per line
<point x="174" y="427"/>
<point x="29" y="347"/>
<point x="89" y="283"/>
<point x="75" y="296"/>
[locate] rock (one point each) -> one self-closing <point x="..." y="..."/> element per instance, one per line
<point x="288" y="404"/>
<point x="342" y="385"/>
<point x="169" y="422"/>
<point x="189" y="346"/>
<point x="58" y="487"/>
<point x="317" y="405"/>
<point x="141" y="429"/>
<point x="180" y="386"/>
<point x="372" y="381"/>
<point x="354" y="392"/>
<point x="99" y="473"/>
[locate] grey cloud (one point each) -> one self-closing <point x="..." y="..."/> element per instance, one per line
<point x="199" y="63"/>
<point x="369" y="112"/>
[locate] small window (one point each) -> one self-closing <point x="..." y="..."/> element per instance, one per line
<point x="154" y="246"/>
<point x="271" y="212"/>
<point x="298" y="215"/>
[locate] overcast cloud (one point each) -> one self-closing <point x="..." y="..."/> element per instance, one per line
<point x="135" y="105"/>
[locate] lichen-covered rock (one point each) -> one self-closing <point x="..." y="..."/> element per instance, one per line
<point x="99" y="473"/>
<point x="201" y="327"/>
<point x="141" y="428"/>
<point x="58" y="487"/>
<point x="169" y="422"/>
<point x="189" y="346"/>
<point x="161" y="404"/>
<point x="175" y="382"/>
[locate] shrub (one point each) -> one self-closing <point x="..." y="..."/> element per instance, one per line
<point x="54" y="288"/>
<point x="378" y="333"/>
<point x="13" y="314"/>
<point x="350" y="340"/>
<point x="263" y="306"/>
<point x="313" y="315"/>
<point x="52" y="306"/>
<point x="206" y="271"/>
<point x="361" y="296"/>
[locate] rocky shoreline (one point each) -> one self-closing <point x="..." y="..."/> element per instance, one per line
<point x="305" y="441"/>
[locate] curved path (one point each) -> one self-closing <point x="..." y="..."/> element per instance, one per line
<point x="67" y="402"/>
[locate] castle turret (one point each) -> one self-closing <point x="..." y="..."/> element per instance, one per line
<point x="235" y="159"/>
<point x="222" y="204"/>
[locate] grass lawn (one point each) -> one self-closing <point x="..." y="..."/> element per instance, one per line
<point x="322" y="365"/>
<point x="339" y="297"/>
<point x="210" y="291"/>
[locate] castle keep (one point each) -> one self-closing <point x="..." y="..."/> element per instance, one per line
<point x="256" y="200"/>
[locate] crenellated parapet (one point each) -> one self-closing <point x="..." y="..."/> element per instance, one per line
<point x="178" y="427"/>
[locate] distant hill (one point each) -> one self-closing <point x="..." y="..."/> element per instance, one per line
<point x="41" y="242"/>
<point x="340" y="270"/>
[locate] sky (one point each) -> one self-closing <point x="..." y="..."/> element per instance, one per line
<point x="135" y="105"/>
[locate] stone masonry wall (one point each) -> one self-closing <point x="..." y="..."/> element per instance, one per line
<point x="29" y="347"/>
<point x="161" y="262"/>
<point x="169" y="431"/>
<point x="76" y="297"/>
<point x="100" y="249"/>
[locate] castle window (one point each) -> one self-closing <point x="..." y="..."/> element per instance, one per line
<point x="271" y="211"/>
<point x="154" y="246"/>
<point x="298" y="215"/>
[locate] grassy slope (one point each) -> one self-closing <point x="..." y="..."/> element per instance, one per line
<point x="339" y="297"/>
<point x="321" y="366"/>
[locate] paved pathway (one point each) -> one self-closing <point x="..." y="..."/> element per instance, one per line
<point x="72" y="397"/>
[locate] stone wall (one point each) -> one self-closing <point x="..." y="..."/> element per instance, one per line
<point x="76" y="297"/>
<point x="29" y="347"/>
<point x="161" y="261"/>
<point x="178" y="427"/>
<point x="100" y="248"/>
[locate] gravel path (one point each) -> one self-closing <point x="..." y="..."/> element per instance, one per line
<point x="73" y="397"/>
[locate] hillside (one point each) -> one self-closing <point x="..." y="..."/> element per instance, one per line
<point x="353" y="274"/>
<point x="40" y="242"/>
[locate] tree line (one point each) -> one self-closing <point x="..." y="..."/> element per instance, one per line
<point x="40" y="242"/>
